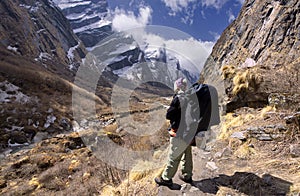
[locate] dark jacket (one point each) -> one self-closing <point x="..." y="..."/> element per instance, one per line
<point x="174" y="113"/>
<point x="194" y="111"/>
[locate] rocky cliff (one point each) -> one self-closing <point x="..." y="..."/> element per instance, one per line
<point x="88" y="19"/>
<point x="257" y="56"/>
<point x="39" y="56"/>
<point x="38" y="31"/>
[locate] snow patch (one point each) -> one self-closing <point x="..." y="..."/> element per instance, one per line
<point x="114" y="60"/>
<point x="121" y="72"/>
<point x="121" y="48"/>
<point x="31" y="8"/>
<point x="41" y="30"/>
<point x="79" y="17"/>
<point x="50" y="120"/>
<point x="15" y="49"/>
<point x="16" y="128"/>
<point x="75" y="16"/>
<point x="10" y="93"/>
<point x="43" y="56"/>
<point x="95" y="25"/>
<point x="65" y="5"/>
<point x="16" y="144"/>
<point x="70" y="55"/>
<point x="25" y="6"/>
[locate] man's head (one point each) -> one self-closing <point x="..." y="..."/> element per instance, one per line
<point x="180" y="85"/>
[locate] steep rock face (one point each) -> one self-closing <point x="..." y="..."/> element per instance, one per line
<point x="39" y="31"/>
<point x="87" y="18"/>
<point x="258" y="54"/>
<point x="39" y="54"/>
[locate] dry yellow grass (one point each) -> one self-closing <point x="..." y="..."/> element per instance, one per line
<point x="265" y="110"/>
<point x="244" y="151"/>
<point x="35" y="182"/>
<point x="231" y="121"/>
<point x="240" y="82"/>
<point x="137" y="183"/>
<point x="110" y="128"/>
<point x="228" y="71"/>
<point x="295" y="188"/>
<point x="242" y="79"/>
<point x="143" y="170"/>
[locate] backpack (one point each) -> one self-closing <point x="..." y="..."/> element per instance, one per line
<point x="199" y="110"/>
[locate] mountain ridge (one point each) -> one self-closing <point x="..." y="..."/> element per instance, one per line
<point x="266" y="45"/>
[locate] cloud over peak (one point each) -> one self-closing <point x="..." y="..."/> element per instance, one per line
<point x="123" y="20"/>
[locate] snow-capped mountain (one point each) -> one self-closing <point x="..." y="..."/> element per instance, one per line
<point x="88" y="19"/>
<point x="160" y="57"/>
<point x="120" y="54"/>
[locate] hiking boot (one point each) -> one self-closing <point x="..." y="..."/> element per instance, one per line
<point x="186" y="180"/>
<point x="161" y="181"/>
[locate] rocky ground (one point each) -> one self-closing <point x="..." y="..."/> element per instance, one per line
<point x="253" y="152"/>
<point x="261" y="158"/>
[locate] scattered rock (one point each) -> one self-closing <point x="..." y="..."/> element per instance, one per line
<point x="226" y="152"/>
<point x="267" y="133"/>
<point x="66" y="124"/>
<point x="211" y="166"/>
<point x="40" y="136"/>
<point x="218" y="155"/>
<point x="295" y="118"/>
<point x="239" y="135"/>
<point x="194" y="189"/>
<point x="185" y="188"/>
<point x="264" y="137"/>
<point x="276" y="99"/>
<point x="52" y="129"/>
<point x="295" y="150"/>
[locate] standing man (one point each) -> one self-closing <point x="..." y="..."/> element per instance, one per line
<point x="180" y="151"/>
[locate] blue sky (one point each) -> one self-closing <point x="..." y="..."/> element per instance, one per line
<point x="202" y="19"/>
<point x="201" y="22"/>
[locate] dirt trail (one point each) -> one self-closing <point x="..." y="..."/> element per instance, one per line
<point x="219" y="173"/>
<point x="200" y="172"/>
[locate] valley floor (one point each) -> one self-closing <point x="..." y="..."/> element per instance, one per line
<point x="253" y="152"/>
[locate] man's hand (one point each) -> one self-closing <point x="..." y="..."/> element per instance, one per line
<point x="172" y="132"/>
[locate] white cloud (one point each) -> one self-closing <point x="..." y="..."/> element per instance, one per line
<point x="241" y="1"/>
<point x="189" y="14"/>
<point x="230" y="15"/>
<point x="218" y="4"/>
<point x="178" y="5"/>
<point x="185" y="7"/>
<point x="190" y="52"/>
<point x="215" y="35"/>
<point x="123" y="20"/>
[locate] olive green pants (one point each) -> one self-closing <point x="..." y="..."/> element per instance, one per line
<point x="179" y="152"/>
